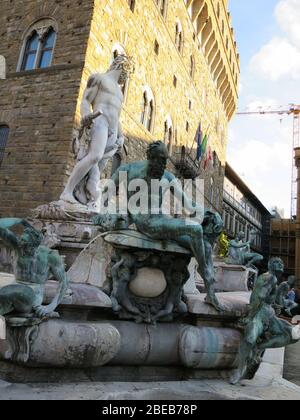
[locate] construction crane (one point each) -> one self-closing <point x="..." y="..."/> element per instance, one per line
<point x="295" y="111"/>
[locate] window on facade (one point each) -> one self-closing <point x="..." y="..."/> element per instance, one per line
<point x="218" y="198"/>
<point x="168" y="135"/>
<point x="179" y="37"/>
<point x="211" y="192"/>
<point x="145" y="107"/>
<point x="39" y="48"/>
<point x="148" y="110"/>
<point x="192" y="66"/>
<point x="217" y="122"/>
<point x="4" y="132"/>
<point x="131" y="4"/>
<point x="150" y="116"/>
<point x="162" y="5"/>
<point x="30" y="53"/>
<point x="47" y="49"/>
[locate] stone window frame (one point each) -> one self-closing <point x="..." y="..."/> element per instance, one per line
<point x="120" y="50"/>
<point x="131" y="5"/>
<point x="192" y="66"/>
<point x="148" y="105"/>
<point x="3" y="140"/>
<point x="169" y="133"/>
<point x="163" y="7"/>
<point x="179" y="36"/>
<point x="212" y="191"/>
<point x="42" y="28"/>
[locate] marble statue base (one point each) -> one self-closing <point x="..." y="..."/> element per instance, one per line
<point x="233" y="278"/>
<point x="89" y="340"/>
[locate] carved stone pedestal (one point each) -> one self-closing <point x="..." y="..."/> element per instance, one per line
<point x="148" y="277"/>
<point x="233" y="278"/>
<point x="88" y="343"/>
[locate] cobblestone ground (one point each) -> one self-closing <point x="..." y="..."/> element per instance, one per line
<point x="259" y="389"/>
<point x="292" y="364"/>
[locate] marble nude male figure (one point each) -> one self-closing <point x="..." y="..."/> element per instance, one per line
<point x="197" y="236"/>
<point x="104" y="97"/>
<point x="34" y="264"/>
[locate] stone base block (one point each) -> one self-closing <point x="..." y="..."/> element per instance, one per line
<point x="67" y="344"/>
<point x="236" y="304"/>
<point x="232" y="278"/>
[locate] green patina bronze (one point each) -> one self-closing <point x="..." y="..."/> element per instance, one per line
<point x="263" y="329"/>
<point x="199" y="237"/>
<point x="34" y="264"/>
<point x="240" y="252"/>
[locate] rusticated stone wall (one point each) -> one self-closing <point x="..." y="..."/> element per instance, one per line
<point x="41" y="107"/>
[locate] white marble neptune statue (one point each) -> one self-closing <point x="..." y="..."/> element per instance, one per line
<point x="100" y="135"/>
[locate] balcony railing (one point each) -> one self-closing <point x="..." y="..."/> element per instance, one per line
<point x="232" y="201"/>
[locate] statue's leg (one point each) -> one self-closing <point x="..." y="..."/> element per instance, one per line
<point x="122" y="276"/>
<point x="281" y="334"/>
<point x="92" y="184"/>
<point x="247" y="349"/>
<point x="16" y="298"/>
<point x="94" y="156"/>
<point x="166" y="227"/>
<point x="253" y="259"/>
<point x="191" y="237"/>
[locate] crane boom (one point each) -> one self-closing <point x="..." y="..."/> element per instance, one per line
<point x="295" y="111"/>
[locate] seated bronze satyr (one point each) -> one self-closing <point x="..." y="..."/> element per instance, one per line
<point x="262" y="328"/>
<point x="34" y="264"/>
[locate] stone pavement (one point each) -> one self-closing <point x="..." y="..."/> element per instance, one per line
<point x="260" y="389"/>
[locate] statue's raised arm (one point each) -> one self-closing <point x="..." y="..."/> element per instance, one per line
<point x="9" y="238"/>
<point x="57" y="268"/>
<point x="34" y="263"/>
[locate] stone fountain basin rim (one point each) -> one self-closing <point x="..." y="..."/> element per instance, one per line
<point x="133" y="239"/>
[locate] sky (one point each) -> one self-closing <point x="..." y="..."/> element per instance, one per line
<point x="260" y="147"/>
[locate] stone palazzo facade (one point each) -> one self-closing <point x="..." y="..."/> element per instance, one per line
<point x="186" y="73"/>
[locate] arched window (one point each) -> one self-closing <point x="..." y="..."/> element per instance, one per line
<point x="4" y="132"/>
<point x="30" y="54"/>
<point x="131" y="4"/>
<point x="218" y="198"/>
<point x="168" y="134"/>
<point x="38" y="46"/>
<point x="148" y="109"/>
<point x="179" y="37"/>
<point x="212" y="192"/>
<point x="47" y="49"/>
<point x="162" y="5"/>
<point x="150" y="115"/>
<point x="144" y="108"/>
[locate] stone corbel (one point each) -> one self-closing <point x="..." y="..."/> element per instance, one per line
<point x="42" y="31"/>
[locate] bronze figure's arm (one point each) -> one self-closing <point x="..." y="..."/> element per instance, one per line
<point x="9" y="238"/>
<point x="58" y="270"/>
